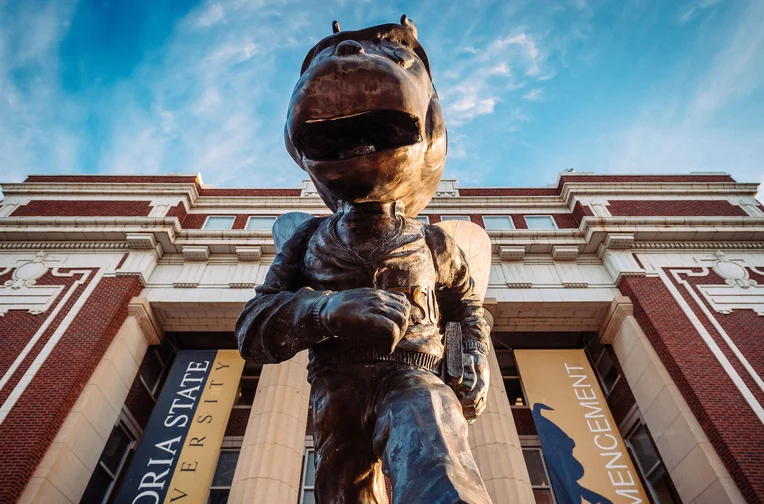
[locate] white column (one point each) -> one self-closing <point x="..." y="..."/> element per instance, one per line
<point x="496" y="445"/>
<point x="271" y="457"/>
<point x="66" y="467"/>
<point x="695" y="468"/>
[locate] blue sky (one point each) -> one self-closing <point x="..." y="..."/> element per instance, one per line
<point x="529" y="88"/>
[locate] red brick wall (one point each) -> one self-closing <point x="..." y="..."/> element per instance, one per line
<point x="18" y="326"/>
<point x="565" y="221"/>
<point x="36" y="418"/>
<point x="178" y="211"/>
<point x="507" y="191"/>
<point x="580" y="211"/>
<point x="519" y="222"/>
<point x="194" y="221"/>
<point x="237" y="422"/>
<point x="83" y="208"/>
<point x="744" y="328"/>
<point x="657" y="208"/>
<point x="593" y="179"/>
<point x="524" y="422"/>
<point x="251" y="192"/>
<point x="728" y="421"/>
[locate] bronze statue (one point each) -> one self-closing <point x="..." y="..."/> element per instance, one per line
<point x="372" y="292"/>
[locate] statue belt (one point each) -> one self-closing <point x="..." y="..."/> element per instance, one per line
<point x="421" y="360"/>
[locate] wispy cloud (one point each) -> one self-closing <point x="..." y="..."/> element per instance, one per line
<point x="690" y="11"/>
<point x="534" y="94"/>
<point x="738" y="68"/>
<point x="489" y="75"/>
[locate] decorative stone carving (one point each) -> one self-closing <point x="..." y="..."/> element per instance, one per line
<point x="564" y="253"/>
<point x="249" y="253"/>
<point x="732" y="272"/>
<point x="511" y="253"/>
<point x="200" y="253"/>
<point x="27" y="274"/>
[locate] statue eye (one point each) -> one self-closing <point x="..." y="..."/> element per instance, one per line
<point x="405" y="43"/>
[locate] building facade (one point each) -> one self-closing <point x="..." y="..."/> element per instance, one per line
<point x="658" y="279"/>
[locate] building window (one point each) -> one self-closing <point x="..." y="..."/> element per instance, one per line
<point x="604" y="366"/>
<point x="223" y="478"/>
<point x="540" y="482"/>
<point x="651" y="468"/>
<point x="498" y="222"/>
<point x="111" y="465"/>
<point x="455" y="217"/>
<point x="152" y="371"/>
<point x="307" y="494"/>
<point x="219" y="222"/>
<point x="257" y="223"/>
<point x="423" y="218"/>
<point x="512" y="383"/>
<point x="540" y="222"/>
<point x="248" y="386"/>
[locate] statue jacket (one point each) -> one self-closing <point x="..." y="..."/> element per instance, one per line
<point x="419" y="260"/>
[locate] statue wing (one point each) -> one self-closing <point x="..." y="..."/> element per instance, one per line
<point x="285" y="226"/>
<point x="476" y="245"/>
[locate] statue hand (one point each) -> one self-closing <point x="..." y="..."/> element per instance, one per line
<point x="375" y="317"/>
<point x="473" y="390"/>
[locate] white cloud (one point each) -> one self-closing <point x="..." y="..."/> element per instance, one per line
<point x="534" y="94"/>
<point x="478" y="82"/>
<point x="738" y="69"/>
<point x="32" y="139"/>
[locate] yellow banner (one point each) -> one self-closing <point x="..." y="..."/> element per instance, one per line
<point x="193" y="473"/>
<point x="585" y="454"/>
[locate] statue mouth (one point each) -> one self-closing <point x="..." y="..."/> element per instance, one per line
<point x="355" y="135"/>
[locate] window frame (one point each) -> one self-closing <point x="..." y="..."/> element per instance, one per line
<point x="508" y="217"/>
<point x="216" y="468"/>
<point x="238" y="390"/>
<point x="303" y="486"/>
<point x="644" y="476"/>
<point x="511" y="377"/>
<point x="123" y="423"/>
<point x="206" y="221"/>
<point x="601" y="379"/>
<point x="551" y="217"/>
<point x="425" y="219"/>
<point x="462" y="218"/>
<point x="249" y="219"/>
<point x="153" y="392"/>
<point x="546" y="472"/>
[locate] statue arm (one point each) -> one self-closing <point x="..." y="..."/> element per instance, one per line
<point x="282" y="319"/>
<point x="457" y="300"/>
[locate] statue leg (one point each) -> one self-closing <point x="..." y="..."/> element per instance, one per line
<point x="347" y="471"/>
<point x="421" y="436"/>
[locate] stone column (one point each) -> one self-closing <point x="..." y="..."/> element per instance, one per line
<point x="692" y="462"/>
<point x="496" y="445"/>
<point x="69" y="462"/>
<point x="271" y="457"/>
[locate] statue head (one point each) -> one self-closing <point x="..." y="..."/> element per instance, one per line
<point x="364" y="120"/>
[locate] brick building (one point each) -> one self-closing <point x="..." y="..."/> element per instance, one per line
<point x="659" y="278"/>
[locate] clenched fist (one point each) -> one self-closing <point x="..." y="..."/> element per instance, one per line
<point x="372" y="317"/>
<point x="473" y="389"/>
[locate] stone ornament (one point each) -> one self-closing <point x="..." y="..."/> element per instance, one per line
<point x="27" y="274"/>
<point x="732" y="272"/>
